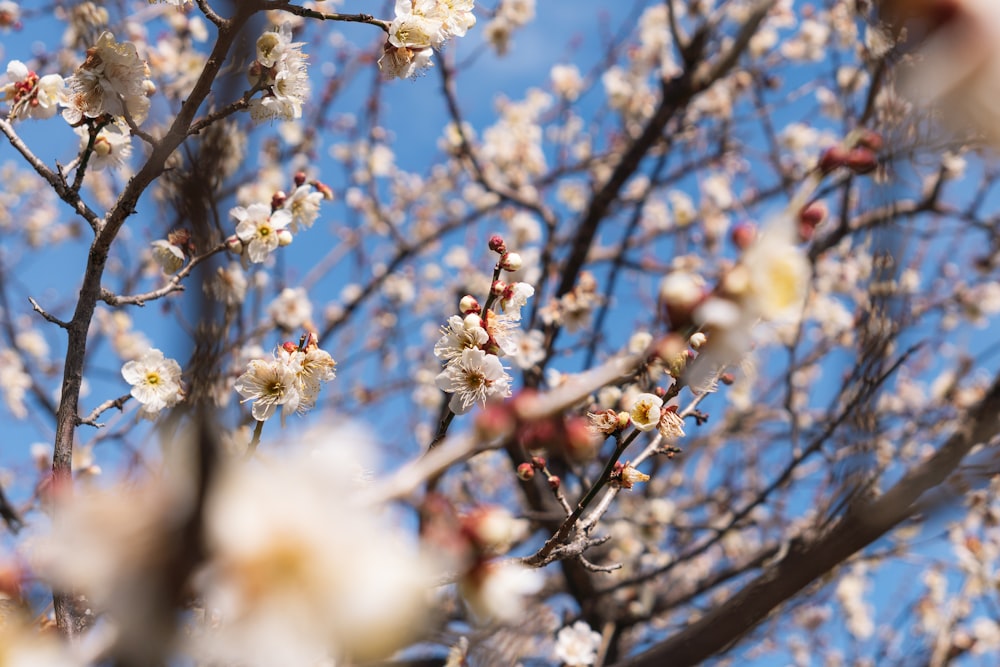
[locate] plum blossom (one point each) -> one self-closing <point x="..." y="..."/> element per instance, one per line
<point x="156" y="382"/>
<point x="260" y="229"/>
<point x="419" y="26"/>
<point x="456" y="337"/>
<point x="112" y="80"/>
<point x="474" y="377"/>
<point x="31" y="96"/>
<point x="496" y="591"/>
<point x="281" y="70"/>
<point x="292" y="380"/>
<point x="577" y="644"/>
<point x="170" y="257"/>
<point x="112" y="146"/>
<point x="303" y="204"/>
<point x="291" y="310"/>
<point x="300" y="568"/>
<point x="645" y="412"/>
<point x="269" y="384"/>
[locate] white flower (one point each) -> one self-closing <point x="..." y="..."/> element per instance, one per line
<point x="112" y="146"/>
<point x="300" y="567"/>
<point x="316" y="367"/>
<point x="457" y="16"/>
<point x="31" y="96"/>
<point x="273" y="44"/>
<point x="303" y="204"/>
<point x="291" y="310"/>
<point x="577" y="644"/>
<point x="112" y="80"/>
<point x="645" y="412"/>
<point x="671" y="425"/>
<point x="516" y="297"/>
<point x="496" y="591"/>
<point x="402" y="62"/>
<point x="778" y="274"/>
<point x="258" y="229"/>
<point x="281" y="70"/>
<point x="415" y="31"/>
<point x="473" y="378"/>
<point x="169" y="256"/>
<point x="10" y="15"/>
<point x="566" y="81"/>
<point x="292" y="380"/>
<point x="269" y="384"/>
<point x="229" y="284"/>
<point x="530" y="348"/>
<point x="156" y="382"/>
<point x="456" y="337"/>
<point x="14" y="382"/>
<point x="503" y="330"/>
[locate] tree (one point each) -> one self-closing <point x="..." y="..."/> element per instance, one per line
<point x="672" y="356"/>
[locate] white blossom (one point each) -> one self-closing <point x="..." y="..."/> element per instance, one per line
<point x="156" y="382"/>
<point x="292" y="309"/>
<point x="29" y="95"/>
<point x="577" y="644"/>
<point x="112" y="80"/>
<point x="258" y="228"/>
<point x="645" y="412"/>
<point x="471" y="378"/>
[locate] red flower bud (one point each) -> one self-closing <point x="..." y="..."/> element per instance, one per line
<point x="497" y="244"/>
<point x="832" y="158"/>
<point x="861" y="160"/>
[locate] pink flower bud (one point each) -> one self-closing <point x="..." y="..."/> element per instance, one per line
<point x="554" y="482"/>
<point x="278" y="200"/>
<point x="300" y="178"/>
<point x="498" y="287"/>
<point x="234" y="244"/>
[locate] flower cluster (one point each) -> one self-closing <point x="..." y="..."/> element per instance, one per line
<point x="292" y="379"/>
<point x="280" y="70"/>
<point x="31" y="96"/>
<point x="259" y="231"/>
<point x="262" y="228"/>
<point x="419" y="27"/>
<point x="471" y="344"/>
<point x="156" y="382"/>
<point x="112" y="80"/>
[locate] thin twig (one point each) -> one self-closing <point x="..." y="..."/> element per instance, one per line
<point x="91" y="419"/>
<point x="50" y="318"/>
